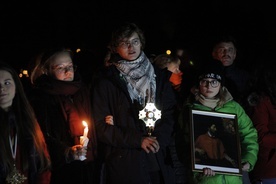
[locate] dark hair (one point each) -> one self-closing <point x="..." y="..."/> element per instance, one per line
<point x="225" y="38"/>
<point x="264" y="77"/>
<point x="123" y="31"/>
<point x="27" y="126"/>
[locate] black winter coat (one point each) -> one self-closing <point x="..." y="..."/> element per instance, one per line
<point x="46" y="99"/>
<point x="125" y="162"/>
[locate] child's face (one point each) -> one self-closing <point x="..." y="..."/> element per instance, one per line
<point x="209" y="87"/>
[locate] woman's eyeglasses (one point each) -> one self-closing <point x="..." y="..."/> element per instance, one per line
<point x="213" y="83"/>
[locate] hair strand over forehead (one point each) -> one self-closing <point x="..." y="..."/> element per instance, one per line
<point x="125" y="31"/>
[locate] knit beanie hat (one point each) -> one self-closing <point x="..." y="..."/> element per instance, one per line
<point x="213" y="70"/>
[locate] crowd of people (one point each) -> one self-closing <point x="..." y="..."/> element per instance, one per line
<point x="130" y="122"/>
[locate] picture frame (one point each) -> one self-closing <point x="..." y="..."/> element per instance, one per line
<point x="215" y="142"/>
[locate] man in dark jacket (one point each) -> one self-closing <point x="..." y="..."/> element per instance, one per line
<point x="236" y="78"/>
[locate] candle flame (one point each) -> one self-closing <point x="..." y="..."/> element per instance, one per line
<point x="84" y="123"/>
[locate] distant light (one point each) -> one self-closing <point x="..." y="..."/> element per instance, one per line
<point x="168" y="52"/>
<point x="191" y="63"/>
<point x="25" y="72"/>
<point x="78" y="50"/>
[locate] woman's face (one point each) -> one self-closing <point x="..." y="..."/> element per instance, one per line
<point x="7" y="89"/>
<point x="209" y="87"/>
<point x="62" y="67"/>
<point x="130" y="48"/>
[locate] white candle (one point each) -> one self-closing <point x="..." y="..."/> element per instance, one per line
<point x="85" y="131"/>
<point x="84" y="139"/>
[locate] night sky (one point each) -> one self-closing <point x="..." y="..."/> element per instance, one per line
<point x="26" y="29"/>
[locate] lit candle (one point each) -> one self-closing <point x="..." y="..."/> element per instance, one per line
<point x="85" y="131"/>
<point x="84" y="139"/>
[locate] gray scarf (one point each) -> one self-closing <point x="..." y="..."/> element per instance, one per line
<point x="140" y="78"/>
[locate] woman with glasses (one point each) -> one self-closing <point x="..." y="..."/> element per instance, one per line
<point x="61" y="102"/>
<point x="210" y="94"/>
<point x="133" y="152"/>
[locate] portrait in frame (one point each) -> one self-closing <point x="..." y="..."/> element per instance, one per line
<point x="215" y="142"/>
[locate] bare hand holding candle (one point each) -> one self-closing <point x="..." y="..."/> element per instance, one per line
<point x="84" y="139"/>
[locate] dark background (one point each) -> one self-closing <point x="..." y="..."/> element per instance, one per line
<point x="27" y="28"/>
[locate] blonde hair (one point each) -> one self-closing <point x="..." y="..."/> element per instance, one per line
<point x="44" y="60"/>
<point x="163" y="60"/>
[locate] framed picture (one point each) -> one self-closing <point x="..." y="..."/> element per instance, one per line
<point x="215" y="142"/>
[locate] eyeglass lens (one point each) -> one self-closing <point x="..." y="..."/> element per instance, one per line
<point x="213" y="83"/>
